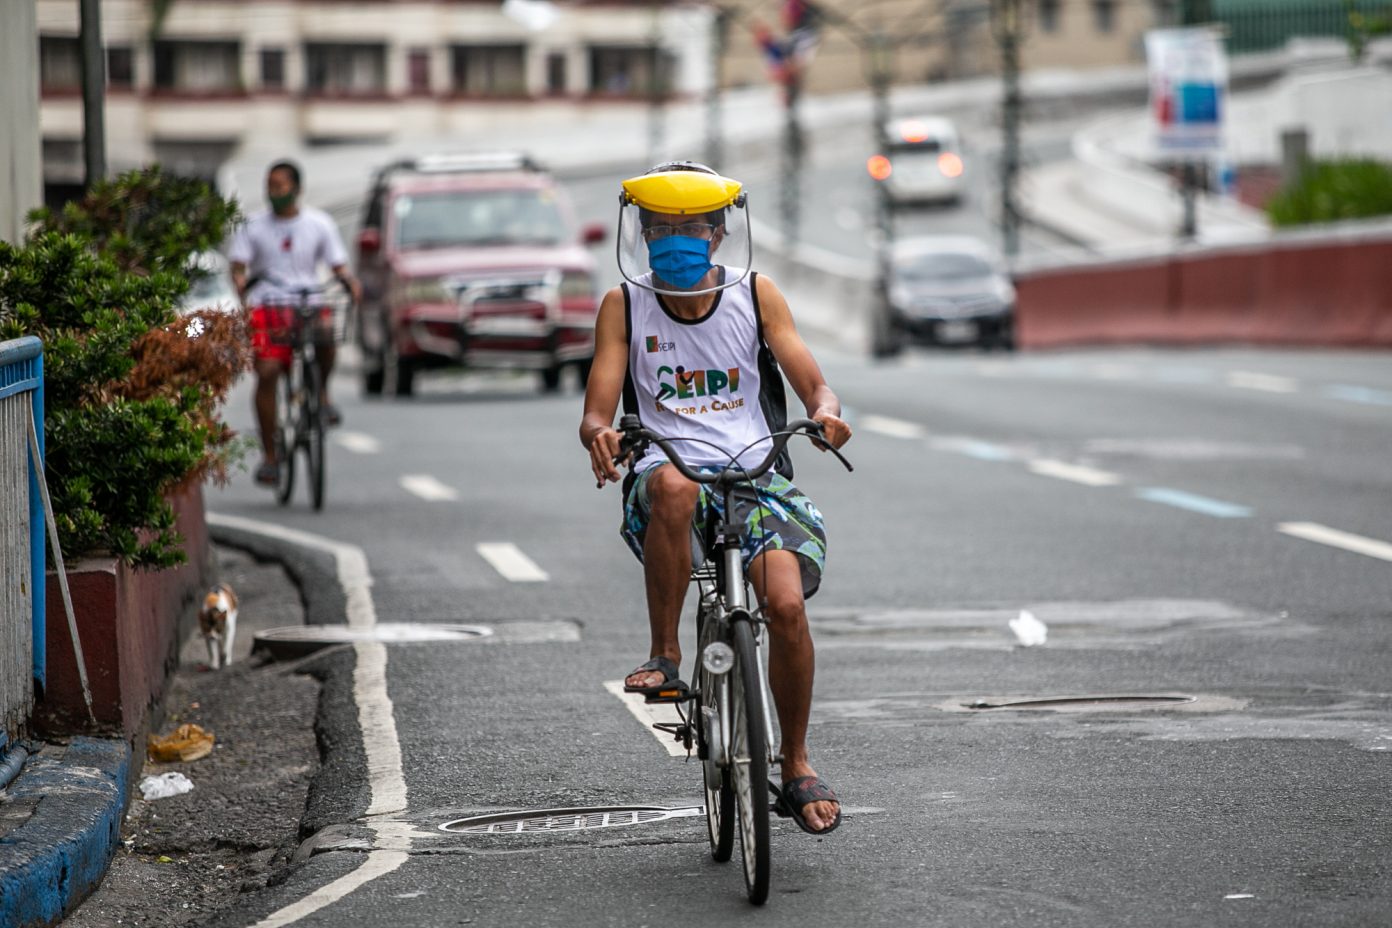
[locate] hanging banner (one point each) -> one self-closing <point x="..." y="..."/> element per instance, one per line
<point x="1188" y="89"/>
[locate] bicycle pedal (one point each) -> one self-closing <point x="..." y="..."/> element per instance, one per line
<point x="673" y="695"/>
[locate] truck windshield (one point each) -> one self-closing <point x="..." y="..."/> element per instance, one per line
<point x="479" y="217"/>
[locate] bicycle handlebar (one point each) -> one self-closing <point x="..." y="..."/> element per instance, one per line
<point x="636" y="437"/>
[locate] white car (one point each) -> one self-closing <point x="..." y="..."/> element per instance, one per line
<point x="211" y="287"/>
<point x="925" y="161"/>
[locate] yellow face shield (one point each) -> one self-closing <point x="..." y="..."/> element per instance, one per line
<point x="672" y="225"/>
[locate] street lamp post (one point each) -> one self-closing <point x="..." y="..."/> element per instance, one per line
<point x="1007" y="23"/>
<point x="93" y="60"/>
<point x="715" y="128"/>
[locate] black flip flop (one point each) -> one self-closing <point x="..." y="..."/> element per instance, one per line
<point x="799" y="792"/>
<point x="671" y="686"/>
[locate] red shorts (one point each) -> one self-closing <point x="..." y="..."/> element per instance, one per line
<point x="271" y="327"/>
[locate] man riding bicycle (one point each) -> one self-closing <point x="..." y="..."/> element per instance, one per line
<point x="281" y="249"/>
<point x="690" y="348"/>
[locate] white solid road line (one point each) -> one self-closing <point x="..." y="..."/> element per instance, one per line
<point x="357" y="442"/>
<point x="1323" y="534"/>
<point x="1269" y="383"/>
<point x="1077" y="473"/>
<point x="894" y="428"/>
<point x="428" y="488"/>
<point x="649" y="714"/>
<point x="353" y="574"/>
<point x="507" y="559"/>
<point x="386" y="779"/>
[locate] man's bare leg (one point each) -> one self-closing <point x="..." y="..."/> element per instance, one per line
<point x="666" y="564"/>
<point x="267" y="378"/>
<point x="777" y="580"/>
<point x="326" y="352"/>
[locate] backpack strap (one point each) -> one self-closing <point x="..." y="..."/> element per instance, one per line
<point x="773" y="397"/>
<point x="630" y="391"/>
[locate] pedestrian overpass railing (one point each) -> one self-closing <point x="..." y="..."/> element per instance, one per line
<point x="22" y="550"/>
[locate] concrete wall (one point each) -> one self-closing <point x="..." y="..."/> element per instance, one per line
<point x="21" y="187"/>
<point x="1329" y="288"/>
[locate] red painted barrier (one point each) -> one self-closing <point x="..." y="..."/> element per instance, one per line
<point x="1327" y="293"/>
<point x="128" y="621"/>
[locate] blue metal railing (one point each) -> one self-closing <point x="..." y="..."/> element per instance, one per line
<point x="22" y="539"/>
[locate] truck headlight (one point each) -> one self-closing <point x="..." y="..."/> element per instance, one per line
<point x="577" y="286"/>
<point x="426" y="290"/>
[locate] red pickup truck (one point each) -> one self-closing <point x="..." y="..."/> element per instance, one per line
<point x="473" y="261"/>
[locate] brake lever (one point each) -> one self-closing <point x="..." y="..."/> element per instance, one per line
<point x="827" y="446"/>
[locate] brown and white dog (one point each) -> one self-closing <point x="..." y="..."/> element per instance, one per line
<point x="218" y="622"/>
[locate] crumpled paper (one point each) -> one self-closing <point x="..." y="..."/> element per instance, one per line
<point x="165" y="785"/>
<point x="183" y="744"/>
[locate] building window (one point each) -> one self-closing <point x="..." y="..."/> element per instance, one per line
<point x="198" y="67"/>
<point x="120" y="67"/>
<point x="1048" y="15"/>
<point x="60" y="64"/>
<point x="630" y="70"/>
<point x="1166" y="12"/>
<point x="488" y="70"/>
<point x="556" y="74"/>
<point x="345" y="70"/>
<point x="418" y="71"/>
<point x="273" y="68"/>
<point x="1104" y="14"/>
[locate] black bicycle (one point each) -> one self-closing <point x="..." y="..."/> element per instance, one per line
<point x="301" y="416"/>
<point x="725" y="716"/>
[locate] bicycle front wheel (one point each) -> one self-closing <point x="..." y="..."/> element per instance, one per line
<point x="720" y="795"/>
<point x="314" y="432"/>
<point x="287" y="415"/>
<point x="749" y="762"/>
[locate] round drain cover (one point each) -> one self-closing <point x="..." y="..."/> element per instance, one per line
<point x="294" y="641"/>
<point x="550" y="821"/>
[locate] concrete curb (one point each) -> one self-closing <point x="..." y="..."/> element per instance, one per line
<point x="60" y="828"/>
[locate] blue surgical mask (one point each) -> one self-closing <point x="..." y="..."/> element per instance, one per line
<point x="680" y="260"/>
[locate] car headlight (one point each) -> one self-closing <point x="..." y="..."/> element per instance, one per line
<point x="426" y="290"/>
<point x="576" y="285"/>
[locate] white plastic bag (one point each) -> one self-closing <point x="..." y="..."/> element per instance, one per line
<point x="165" y="785"/>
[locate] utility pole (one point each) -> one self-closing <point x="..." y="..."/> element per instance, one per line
<point x="1007" y="21"/>
<point x="790" y="206"/>
<point x="715" y="128"/>
<point x="93" y="92"/>
<point x="657" y="92"/>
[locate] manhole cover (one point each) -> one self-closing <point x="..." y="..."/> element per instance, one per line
<point x="294" y="641"/>
<point x="549" y="821"/>
<point x="1083" y="702"/>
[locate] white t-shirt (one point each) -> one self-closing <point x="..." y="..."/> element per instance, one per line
<point x="286" y="253"/>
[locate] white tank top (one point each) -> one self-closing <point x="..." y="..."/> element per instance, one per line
<point x="698" y="378"/>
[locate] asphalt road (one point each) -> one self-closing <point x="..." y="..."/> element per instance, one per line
<point x="1186" y="524"/>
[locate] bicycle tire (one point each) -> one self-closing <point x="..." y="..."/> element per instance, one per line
<point x="720" y="795"/>
<point x="284" y="438"/>
<point x="314" y="432"/>
<point x="749" y="763"/>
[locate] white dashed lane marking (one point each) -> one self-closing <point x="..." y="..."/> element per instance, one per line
<point x="1076" y="473"/>
<point x="428" y="488"/>
<point x="894" y="428"/>
<point x="1194" y="503"/>
<point x="1267" y="383"/>
<point x="649" y="715"/>
<point x="357" y="442"/>
<point x="1324" y="535"/>
<point x="509" y="561"/>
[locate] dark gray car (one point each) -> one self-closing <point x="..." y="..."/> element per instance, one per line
<point x="950" y="291"/>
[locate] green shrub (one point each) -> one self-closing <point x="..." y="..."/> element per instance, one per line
<point x="1329" y="191"/>
<point x="131" y="395"/>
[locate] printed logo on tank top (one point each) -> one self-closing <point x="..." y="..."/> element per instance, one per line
<point x="698" y="392"/>
<point x="656" y="344"/>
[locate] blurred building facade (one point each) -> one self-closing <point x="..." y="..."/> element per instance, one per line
<point x="218" y="74"/>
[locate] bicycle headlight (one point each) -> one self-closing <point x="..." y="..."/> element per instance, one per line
<point x="718" y="658"/>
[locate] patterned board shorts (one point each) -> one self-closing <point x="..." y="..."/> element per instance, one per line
<point x="775" y="514"/>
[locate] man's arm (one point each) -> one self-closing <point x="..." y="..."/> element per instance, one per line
<point x="597" y="432"/>
<point x="239" y="279"/>
<point x="797" y="362"/>
<point x="342" y="272"/>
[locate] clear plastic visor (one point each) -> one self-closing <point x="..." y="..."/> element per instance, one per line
<point x="679" y="255"/>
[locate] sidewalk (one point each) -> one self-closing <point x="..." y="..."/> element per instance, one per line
<point x="66" y="815"/>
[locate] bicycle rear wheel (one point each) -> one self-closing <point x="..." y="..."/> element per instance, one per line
<point x="287" y="415"/>
<point x="314" y="432"/>
<point x="720" y="795"/>
<point x="749" y="763"/>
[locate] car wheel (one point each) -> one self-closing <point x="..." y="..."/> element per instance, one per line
<point x="551" y="379"/>
<point x="373" y="377"/>
<point x="398" y="373"/>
